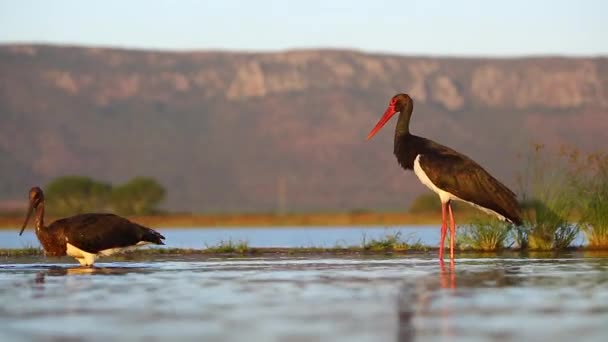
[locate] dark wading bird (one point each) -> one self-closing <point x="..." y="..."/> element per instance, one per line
<point x="451" y="175"/>
<point x="87" y="236"/>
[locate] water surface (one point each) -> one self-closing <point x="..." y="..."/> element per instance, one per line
<point x="307" y="299"/>
<point x="269" y="237"/>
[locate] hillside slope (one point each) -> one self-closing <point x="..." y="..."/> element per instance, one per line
<point x="227" y="131"/>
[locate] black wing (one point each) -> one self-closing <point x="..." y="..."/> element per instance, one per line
<point x="95" y="232"/>
<point x="463" y="177"/>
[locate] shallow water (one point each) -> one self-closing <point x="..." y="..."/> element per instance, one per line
<point x="269" y="237"/>
<point x="307" y="299"/>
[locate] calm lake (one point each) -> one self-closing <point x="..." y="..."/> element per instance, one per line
<point x="406" y="298"/>
<point x="306" y="299"/>
<point x="267" y="237"/>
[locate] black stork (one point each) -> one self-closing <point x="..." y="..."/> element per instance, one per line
<point x="87" y="236"/>
<point x="451" y="175"/>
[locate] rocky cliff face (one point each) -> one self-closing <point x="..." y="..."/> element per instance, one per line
<point x="222" y="130"/>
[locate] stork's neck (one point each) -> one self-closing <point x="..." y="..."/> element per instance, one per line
<point x="40" y="217"/>
<point x="404" y="150"/>
<point x="403" y="123"/>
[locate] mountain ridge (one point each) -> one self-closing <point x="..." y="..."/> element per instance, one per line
<point x="265" y="131"/>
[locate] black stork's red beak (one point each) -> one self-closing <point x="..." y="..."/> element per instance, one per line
<point x="30" y="210"/>
<point x="388" y="114"/>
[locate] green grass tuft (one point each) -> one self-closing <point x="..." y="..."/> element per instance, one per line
<point x="595" y="210"/>
<point x="391" y="242"/>
<point x="549" y="187"/>
<point x="546" y="224"/>
<point x="18" y="252"/>
<point x="228" y="246"/>
<point x="484" y="234"/>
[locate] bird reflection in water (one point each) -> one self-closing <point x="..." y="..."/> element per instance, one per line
<point x="447" y="279"/>
<point x="415" y="299"/>
<point x="433" y="302"/>
<point x="95" y="270"/>
<point x="54" y="271"/>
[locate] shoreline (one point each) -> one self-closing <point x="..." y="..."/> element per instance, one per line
<point x="280" y="252"/>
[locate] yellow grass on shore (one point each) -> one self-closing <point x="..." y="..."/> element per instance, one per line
<point x="269" y="220"/>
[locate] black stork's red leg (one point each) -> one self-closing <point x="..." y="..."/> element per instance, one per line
<point x="453" y="176"/>
<point x="452" y="230"/>
<point x="444" y="228"/>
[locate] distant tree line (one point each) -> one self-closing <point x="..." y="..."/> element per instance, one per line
<point x="70" y="195"/>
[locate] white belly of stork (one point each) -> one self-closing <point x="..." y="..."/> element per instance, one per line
<point x="88" y="259"/>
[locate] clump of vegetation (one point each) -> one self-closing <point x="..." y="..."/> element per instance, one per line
<point x="549" y="202"/>
<point x="19" y="252"/>
<point x="546" y="224"/>
<point x="595" y="225"/>
<point x="594" y="213"/>
<point x="229" y="247"/>
<point x="562" y="194"/>
<point x="485" y="234"/>
<point x="391" y="242"/>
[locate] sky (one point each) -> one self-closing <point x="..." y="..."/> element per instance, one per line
<point x="425" y="27"/>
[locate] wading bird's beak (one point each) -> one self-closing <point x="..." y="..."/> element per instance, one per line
<point x="388" y="114"/>
<point x="30" y="210"/>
